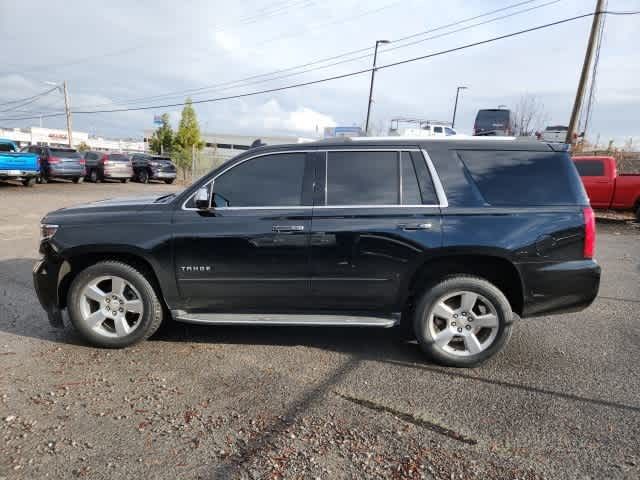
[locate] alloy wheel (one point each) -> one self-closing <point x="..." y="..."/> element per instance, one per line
<point x="111" y="306"/>
<point x="463" y="323"/>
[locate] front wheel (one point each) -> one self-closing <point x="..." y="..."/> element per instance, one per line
<point x="78" y="179"/>
<point x="113" y="305"/>
<point x="463" y="321"/>
<point x="143" y="176"/>
<point x="169" y="181"/>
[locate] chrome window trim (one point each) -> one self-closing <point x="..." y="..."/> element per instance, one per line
<point x="437" y="184"/>
<point x="440" y="193"/>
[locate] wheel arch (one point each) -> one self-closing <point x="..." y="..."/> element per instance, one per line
<point x="77" y="262"/>
<point x="498" y="270"/>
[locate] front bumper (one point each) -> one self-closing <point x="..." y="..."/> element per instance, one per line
<point x="163" y="175"/>
<point x="560" y="287"/>
<point x="45" y="282"/>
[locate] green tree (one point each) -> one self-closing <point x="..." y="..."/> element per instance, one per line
<point x="187" y="138"/>
<point x="162" y="139"/>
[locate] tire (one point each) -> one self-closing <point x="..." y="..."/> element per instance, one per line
<point x="169" y="181"/>
<point x="469" y="344"/>
<point x="93" y="176"/>
<point x="123" y="329"/>
<point x="43" y="179"/>
<point x="143" y="176"/>
<point x="78" y="179"/>
<point x="124" y="180"/>
<point x="29" y="182"/>
<point x="638" y="214"/>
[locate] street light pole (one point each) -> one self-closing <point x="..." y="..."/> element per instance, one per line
<point x="455" y="106"/>
<point x="373" y="74"/>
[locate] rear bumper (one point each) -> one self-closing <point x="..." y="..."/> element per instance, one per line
<point x="7" y="173"/>
<point x="45" y="282"/>
<point x="118" y="173"/>
<point x="564" y="287"/>
<point x="163" y="175"/>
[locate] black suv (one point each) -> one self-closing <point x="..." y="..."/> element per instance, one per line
<point x="448" y="237"/>
<point x="153" y="167"/>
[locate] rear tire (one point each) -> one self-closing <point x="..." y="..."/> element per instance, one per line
<point x="29" y="182"/>
<point x="462" y="321"/>
<point x="43" y="179"/>
<point x="638" y="214"/>
<point x="93" y="176"/>
<point x="78" y="179"/>
<point x="124" y="180"/>
<point x="169" y="181"/>
<point x="94" y="292"/>
<point x="143" y="176"/>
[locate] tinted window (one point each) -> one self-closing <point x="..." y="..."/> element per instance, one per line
<point x="590" y="168"/>
<point x="6" y="147"/>
<point x="410" y="188"/>
<point x="437" y="129"/>
<point x="492" y="119"/>
<point x="522" y="178"/>
<point x="56" y="152"/>
<point x="449" y="131"/>
<point x="362" y="178"/>
<point x="267" y="181"/>
<point x="427" y="190"/>
<point x="118" y="157"/>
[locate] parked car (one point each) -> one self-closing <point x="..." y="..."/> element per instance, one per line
<point x="59" y="162"/>
<point x="16" y="165"/>
<point x="607" y="189"/>
<point x="153" y="167"/>
<point x="493" y="122"/>
<point x="102" y="166"/>
<point x="431" y="130"/>
<point x="555" y="134"/>
<point x="370" y="232"/>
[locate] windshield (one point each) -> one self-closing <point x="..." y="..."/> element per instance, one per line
<point x="492" y="119"/>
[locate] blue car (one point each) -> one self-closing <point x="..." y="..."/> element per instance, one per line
<point x="15" y="165"/>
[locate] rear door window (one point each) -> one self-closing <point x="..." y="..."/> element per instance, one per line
<point x="362" y="178"/>
<point x="118" y="157"/>
<point x="520" y="178"/>
<point x="590" y="168"/>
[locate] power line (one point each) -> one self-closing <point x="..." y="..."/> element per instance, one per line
<point x="242" y="81"/>
<point x="27" y="98"/>
<point x="345" y="75"/>
<point x="35" y="98"/>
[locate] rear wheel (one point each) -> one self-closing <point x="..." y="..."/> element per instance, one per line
<point x="124" y="180"/>
<point x="93" y="176"/>
<point x="463" y="321"/>
<point x="143" y="176"/>
<point x="78" y="179"/>
<point x="43" y="178"/>
<point x="113" y="305"/>
<point x="29" y="182"/>
<point x="638" y="213"/>
<point x="169" y="181"/>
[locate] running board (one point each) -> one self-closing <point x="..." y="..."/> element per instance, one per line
<point x="287" y="319"/>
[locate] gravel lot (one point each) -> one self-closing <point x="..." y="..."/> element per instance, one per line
<point x="562" y="401"/>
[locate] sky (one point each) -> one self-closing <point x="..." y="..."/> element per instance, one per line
<point x="121" y="53"/>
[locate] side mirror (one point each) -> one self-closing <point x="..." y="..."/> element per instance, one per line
<point x="202" y="199"/>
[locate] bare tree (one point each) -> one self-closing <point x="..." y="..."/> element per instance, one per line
<point x="529" y="115"/>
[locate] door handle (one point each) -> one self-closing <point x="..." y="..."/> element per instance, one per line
<point x="287" y="228"/>
<point x="410" y="227"/>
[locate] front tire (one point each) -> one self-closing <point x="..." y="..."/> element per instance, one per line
<point x="143" y="176"/>
<point x="169" y="181"/>
<point x="113" y="305"/>
<point x="462" y="321"/>
<point x="93" y="176"/>
<point x="78" y="179"/>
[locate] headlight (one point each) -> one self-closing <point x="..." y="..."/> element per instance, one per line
<point x="47" y="231"/>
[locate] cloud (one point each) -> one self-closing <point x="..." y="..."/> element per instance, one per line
<point x="271" y="116"/>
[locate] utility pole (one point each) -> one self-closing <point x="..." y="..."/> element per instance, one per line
<point x="373" y="74"/>
<point x="586" y="66"/>
<point x="455" y="106"/>
<point x="67" y="110"/>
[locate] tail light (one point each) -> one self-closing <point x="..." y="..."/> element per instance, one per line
<point x="105" y="160"/>
<point x="589" y="232"/>
<point x="54" y="160"/>
<point x="82" y="161"/>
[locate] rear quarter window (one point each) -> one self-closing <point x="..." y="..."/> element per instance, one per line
<point x="590" y="168"/>
<point x="521" y="178"/>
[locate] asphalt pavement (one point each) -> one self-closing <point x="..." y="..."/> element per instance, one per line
<point x="562" y="401"/>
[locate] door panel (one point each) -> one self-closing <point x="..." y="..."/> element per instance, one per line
<point x="234" y="259"/>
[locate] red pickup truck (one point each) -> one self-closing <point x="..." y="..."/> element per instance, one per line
<point x="605" y="187"/>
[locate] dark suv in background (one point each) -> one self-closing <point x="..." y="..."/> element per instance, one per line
<point x="153" y="167"/>
<point x="108" y="166"/>
<point x="59" y="162"/>
<point x="449" y="238"/>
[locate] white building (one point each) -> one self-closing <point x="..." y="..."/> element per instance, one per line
<point x="59" y="138"/>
